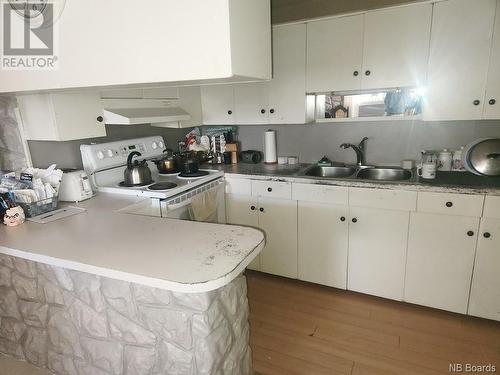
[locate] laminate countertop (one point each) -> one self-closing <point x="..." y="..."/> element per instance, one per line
<point x="177" y="255"/>
<point x="446" y="182"/>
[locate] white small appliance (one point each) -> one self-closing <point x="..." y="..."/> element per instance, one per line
<point x="75" y="186"/>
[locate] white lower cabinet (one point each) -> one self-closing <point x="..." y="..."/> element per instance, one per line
<point x="377" y="251"/>
<point x="440" y="260"/>
<point x="485" y="291"/>
<point x="322" y="243"/>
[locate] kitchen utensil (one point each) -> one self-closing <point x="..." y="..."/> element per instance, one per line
<point x="270" y="154"/>
<point x="427" y="171"/>
<point x="251" y="156"/>
<point x="187" y="165"/>
<point x="75" y="186"/>
<point x="482" y="157"/>
<point x="166" y="164"/>
<point x="445" y="159"/>
<point x="136" y="173"/>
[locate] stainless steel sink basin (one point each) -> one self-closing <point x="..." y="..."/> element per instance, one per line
<point x="384" y="174"/>
<point x="332" y="172"/>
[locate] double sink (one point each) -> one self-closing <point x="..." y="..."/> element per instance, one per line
<point x="359" y="172"/>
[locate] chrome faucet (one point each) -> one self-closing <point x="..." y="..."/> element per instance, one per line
<point x="359" y="150"/>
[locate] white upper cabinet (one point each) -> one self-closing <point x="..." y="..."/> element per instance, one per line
<point x="217" y="104"/>
<point x="458" y="63"/>
<point x="380" y="49"/>
<point x="251" y="102"/>
<point x="334" y="54"/>
<point x="62" y="116"/>
<point x="161" y="41"/>
<point x="492" y="99"/>
<point x="396" y="47"/>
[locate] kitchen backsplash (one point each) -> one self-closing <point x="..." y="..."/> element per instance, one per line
<point x="389" y="141"/>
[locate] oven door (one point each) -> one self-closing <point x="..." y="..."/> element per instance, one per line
<point x="181" y="206"/>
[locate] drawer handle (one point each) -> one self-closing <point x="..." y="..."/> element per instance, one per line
<point x="229" y="112"/>
<point x="342" y="218"/>
<point x="262" y="111"/>
<point x="271" y="110"/>
<point x="269" y="189"/>
<point x="261" y="209"/>
<point x="355" y="73"/>
<point x="252" y="208"/>
<point x="492" y="101"/>
<point x="470" y="233"/>
<point x="449" y="204"/>
<point x="486" y="235"/>
<point x="100" y="118"/>
<point x="476" y="102"/>
<point x="354" y="220"/>
<point x="367" y="73"/>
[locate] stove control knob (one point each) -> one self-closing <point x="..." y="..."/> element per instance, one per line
<point x="110" y="153"/>
<point x="161" y="144"/>
<point x="154" y="145"/>
<point x="100" y="155"/>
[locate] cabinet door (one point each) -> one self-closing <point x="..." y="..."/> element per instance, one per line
<point x="396" y="47"/>
<point x="217" y="104"/>
<point x="334" y="54"/>
<point x="492" y="99"/>
<point x="242" y="210"/>
<point x="377" y="251"/>
<point x="251" y="103"/>
<point x="440" y="260"/>
<point x="287" y="89"/>
<point x="322" y="243"/>
<point x="484" y="298"/>
<point x="278" y="219"/>
<point x="458" y="62"/>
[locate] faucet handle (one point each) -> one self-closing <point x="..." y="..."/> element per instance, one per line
<point x="361" y="144"/>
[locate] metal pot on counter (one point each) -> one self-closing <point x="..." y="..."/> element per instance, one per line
<point x="137" y="172"/>
<point x="168" y="163"/>
<point x="482" y="157"/>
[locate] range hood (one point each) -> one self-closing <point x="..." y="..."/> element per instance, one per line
<point x="153" y="115"/>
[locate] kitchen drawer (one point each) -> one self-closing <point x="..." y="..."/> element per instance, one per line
<point x="450" y="204"/>
<point x="492" y="207"/>
<point x="383" y="198"/>
<point x="320" y="193"/>
<point x="272" y="189"/>
<point x="238" y="186"/>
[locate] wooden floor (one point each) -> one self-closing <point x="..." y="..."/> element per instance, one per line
<point x="302" y="328"/>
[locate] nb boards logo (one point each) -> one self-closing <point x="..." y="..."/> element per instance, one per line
<point x="29" y="35"/>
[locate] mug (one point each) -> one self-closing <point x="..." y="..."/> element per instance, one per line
<point x="427" y="170"/>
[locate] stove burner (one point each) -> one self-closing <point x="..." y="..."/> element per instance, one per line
<point x="193" y="175"/>
<point x="123" y="184"/>
<point x="162" y="186"/>
<point x="169" y="174"/>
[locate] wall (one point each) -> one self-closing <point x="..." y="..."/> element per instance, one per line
<point x="389" y="141"/>
<point x="294" y="10"/>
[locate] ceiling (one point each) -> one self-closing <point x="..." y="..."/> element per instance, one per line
<point x="294" y="10"/>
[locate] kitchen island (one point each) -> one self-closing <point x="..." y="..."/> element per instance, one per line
<point x="105" y="292"/>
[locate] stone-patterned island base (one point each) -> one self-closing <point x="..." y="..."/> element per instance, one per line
<point x="75" y="323"/>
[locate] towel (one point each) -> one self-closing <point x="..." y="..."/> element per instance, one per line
<point x="204" y="206"/>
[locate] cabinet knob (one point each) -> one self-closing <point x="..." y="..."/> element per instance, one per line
<point x="367" y="73"/>
<point x="342" y="218"/>
<point x="476" y="102"/>
<point x="252" y="208"/>
<point x="486" y="235"/>
<point x="269" y="189"/>
<point x="354" y="220"/>
<point x="229" y="112"/>
<point x="492" y="101"/>
<point x="100" y="118"/>
<point x="261" y="209"/>
<point x="271" y="110"/>
<point x="262" y="111"/>
<point x="470" y="233"/>
<point x="355" y="73"/>
<point x="449" y="204"/>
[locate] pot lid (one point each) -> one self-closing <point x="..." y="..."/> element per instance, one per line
<point x="484" y="157"/>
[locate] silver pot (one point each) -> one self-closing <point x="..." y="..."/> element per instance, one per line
<point x="136" y="173"/>
<point x="482" y="157"/>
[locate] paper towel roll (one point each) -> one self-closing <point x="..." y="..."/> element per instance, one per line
<point x="270" y="154"/>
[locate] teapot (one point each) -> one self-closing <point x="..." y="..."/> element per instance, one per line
<point x="137" y="172"/>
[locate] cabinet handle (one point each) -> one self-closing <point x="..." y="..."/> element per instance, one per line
<point x="342" y="218"/>
<point x="261" y="209"/>
<point x="355" y="73"/>
<point x="449" y="204"/>
<point x="271" y="110"/>
<point x="486" y="235"/>
<point x="470" y="233"/>
<point x="269" y="189"/>
<point x="100" y="118"/>
<point x="367" y="73"/>
<point x="354" y="220"/>
<point x="476" y="102"/>
<point x="252" y="208"/>
<point x="229" y="112"/>
<point x="263" y="111"/>
<point x="492" y="101"/>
